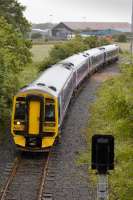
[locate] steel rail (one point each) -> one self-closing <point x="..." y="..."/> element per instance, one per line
<point x="10" y="178"/>
<point x="43" y="179"/>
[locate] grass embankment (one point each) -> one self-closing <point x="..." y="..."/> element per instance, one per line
<point x="31" y="71"/>
<point x="39" y="52"/>
<point x="112" y="113"/>
<point x="125" y="46"/>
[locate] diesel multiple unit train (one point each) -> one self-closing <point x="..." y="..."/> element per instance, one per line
<point x="40" y="107"/>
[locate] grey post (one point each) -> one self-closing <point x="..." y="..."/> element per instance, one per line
<point x="102" y="187"/>
<point x="131" y="44"/>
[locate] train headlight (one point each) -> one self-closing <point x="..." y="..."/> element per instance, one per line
<point x="18" y="123"/>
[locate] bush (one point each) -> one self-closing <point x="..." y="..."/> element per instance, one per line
<point x="36" y="36"/>
<point x="14" y="55"/>
<point x="91" y="42"/>
<point x="121" y="38"/>
<point x="66" y="49"/>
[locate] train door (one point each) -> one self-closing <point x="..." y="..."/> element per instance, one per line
<point x="35" y="108"/>
<point x="89" y="65"/>
<point x="34" y="117"/>
<point x="74" y="79"/>
<point x="105" y="55"/>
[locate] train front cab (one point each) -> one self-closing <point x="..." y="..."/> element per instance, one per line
<point x="34" y="121"/>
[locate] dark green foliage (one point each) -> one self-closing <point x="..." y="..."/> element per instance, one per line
<point x="91" y="42"/>
<point x="46" y="40"/>
<point x="14" y="52"/>
<point x="121" y="38"/>
<point x="103" y="41"/>
<point x="66" y="49"/>
<point x="36" y="36"/>
<point x="46" y="64"/>
<point x="12" y="11"/>
<point x="14" y="55"/>
<point x="62" y="51"/>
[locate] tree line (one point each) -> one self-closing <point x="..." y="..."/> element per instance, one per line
<point x="14" y="52"/>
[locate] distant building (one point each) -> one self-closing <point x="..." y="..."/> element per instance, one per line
<point x="61" y="31"/>
<point x="45" y="33"/>
<point x="64" y="30"/>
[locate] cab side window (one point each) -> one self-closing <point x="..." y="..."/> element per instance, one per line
<point x="50" y="112"/>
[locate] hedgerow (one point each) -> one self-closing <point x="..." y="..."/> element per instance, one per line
<point x="14" y="55"/>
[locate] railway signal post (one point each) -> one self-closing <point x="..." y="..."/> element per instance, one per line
<point x="102" y="161"/>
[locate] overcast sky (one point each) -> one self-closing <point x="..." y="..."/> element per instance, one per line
<point x="40" y="11"/>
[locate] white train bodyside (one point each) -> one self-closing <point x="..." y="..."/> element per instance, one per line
<point x="61" y="79"/>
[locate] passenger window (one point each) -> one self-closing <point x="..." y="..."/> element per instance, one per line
<point x="20" y="110"/>
<point x="50" y="112"/>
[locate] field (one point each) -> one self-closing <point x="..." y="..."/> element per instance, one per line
<point x="39" y="52"/>
<point x="31" y="71"/>
<point x="124" y="46"/>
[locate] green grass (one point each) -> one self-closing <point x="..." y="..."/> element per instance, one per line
<point x="125" y="46"/>
<point x="39" y="52"/>
<point x="29" y="74"/>
<point x="111" y="113"/>
<point x="31" y="71"/>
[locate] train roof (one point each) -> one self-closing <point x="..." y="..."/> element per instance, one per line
<point x="94" y="51"/>
<point x="51" y="80"/>
<point x="110" y="47"/>
<point x="76" y="60"/>
<point x="54" y="79"/>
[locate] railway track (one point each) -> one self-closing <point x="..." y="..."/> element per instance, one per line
<point x="26" y="178"/>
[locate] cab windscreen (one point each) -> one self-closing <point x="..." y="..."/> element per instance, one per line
<point x="50" y="112"/>
<point x="20" y="109"/>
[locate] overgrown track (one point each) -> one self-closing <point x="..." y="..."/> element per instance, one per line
<point x="26" y="178"/>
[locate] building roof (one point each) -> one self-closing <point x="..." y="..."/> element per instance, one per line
<point x="121" y="26"/>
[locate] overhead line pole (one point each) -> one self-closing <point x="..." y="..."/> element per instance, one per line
<point x="131" y="34"/>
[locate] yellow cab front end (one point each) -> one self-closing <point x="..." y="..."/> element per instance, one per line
<point x="34" y="123"/>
